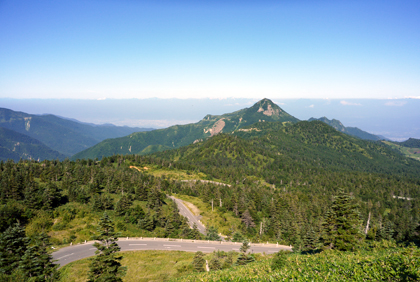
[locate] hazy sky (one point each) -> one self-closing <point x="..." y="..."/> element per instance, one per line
<point x="188" y="49"/>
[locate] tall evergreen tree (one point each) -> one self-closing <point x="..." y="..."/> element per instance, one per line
<point x="198" y="261"/>
<point x="37" y="263"/>
<point x="212" y="234"/>
<point x="13" y="244"/>
<point x="243" y="257"/>
<point x="106" y="265"/>
<point x="342" y="224"/>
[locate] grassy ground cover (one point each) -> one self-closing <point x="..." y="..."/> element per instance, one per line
<point x="382" y="264"/>
<point x="169" y="173"/>
<point x="141" y="266"/>
<point x="408" y="152"/>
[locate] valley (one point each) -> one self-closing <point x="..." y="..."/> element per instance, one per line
<point x="274" y="181"/>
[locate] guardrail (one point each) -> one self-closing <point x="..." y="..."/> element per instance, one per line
<point x="269" y="245"/>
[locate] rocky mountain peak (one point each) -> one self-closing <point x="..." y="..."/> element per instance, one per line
<point x="268" y="108"/>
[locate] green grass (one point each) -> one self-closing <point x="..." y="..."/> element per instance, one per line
<point x="169" y="173"/>
<point x="141" y="266"/>
<point x="224" y="221"/>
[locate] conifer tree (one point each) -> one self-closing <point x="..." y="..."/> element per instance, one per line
<point x="106" y="266"/>
<point x="13" y="244"/>
<point x="243" y="257"/>
<point x="237" y="237"/>
<point x="310" y="241"/>
<point x="123" y="205"/>
<point x="212" y="234"/>
<point x="198" y="261"/>
<point x="215" y="263"/>
<point x="195" y="234"/>
<point x="342" y="224"/>
<point x="37" y="263"/>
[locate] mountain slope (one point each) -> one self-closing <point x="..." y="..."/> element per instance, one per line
<point x="65" y="136"/>
<point x="16" y="146"/>
<point x="182" y="135"/>
<point x="410" y="143"/>
<point x="354" y="131"/>
<point x="274" y="149"/>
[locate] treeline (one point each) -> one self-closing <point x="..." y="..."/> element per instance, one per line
<point x="69" y="197"/>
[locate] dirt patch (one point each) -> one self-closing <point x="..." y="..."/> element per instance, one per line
<point x="192" y="208"/>
<point x="248" y="129"/>
<point x="217" y="127"/>
<point x="139" y="169"/>
<point x="270" y="111"/>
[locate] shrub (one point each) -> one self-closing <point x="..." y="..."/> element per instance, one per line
<point x="279" y="260"/>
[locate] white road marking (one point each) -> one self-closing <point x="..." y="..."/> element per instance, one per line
<point x="235" y="249"/>
<point x="66" y="256"/>
<point x="171" y="245"/>
<point x="137" y="244"/>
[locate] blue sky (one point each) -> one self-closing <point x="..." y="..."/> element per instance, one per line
<point x="94" y="49"/>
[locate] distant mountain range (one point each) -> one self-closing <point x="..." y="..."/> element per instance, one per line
<point x="354" y="131"/>
<point x="182" y="135"/>
<point x="65" y="137"/>
<point x="62" y="135"/>
<point x="16" y="146"/>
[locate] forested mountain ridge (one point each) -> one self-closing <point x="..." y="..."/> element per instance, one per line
<point x="63" y="135"/>
<point x="304" y="165"/>
<point x="182" y="135"/>
<point x="354" y="131"/>
<point x="410" y="143"/>
<point x="266" y="147"/>
<point x="16" y="146"/>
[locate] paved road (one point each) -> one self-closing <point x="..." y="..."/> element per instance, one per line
<point x="76" y="252"/>
<point x="183" y="210"/>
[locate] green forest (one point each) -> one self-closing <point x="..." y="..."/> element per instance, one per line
<point x="304" y="184"/>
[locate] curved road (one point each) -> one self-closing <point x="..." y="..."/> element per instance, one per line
<point x="81" y="251"/>
<point x="76" y="252"/>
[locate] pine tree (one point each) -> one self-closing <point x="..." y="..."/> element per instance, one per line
<point x="195" y="234"/>
<point x="147" y="223"/>
<point x="198" y="261"/>
<point x="386" y="232"/>
<point x="37" y="262"/>
<point x="310" y="241"/>
<point x="237" y="237"/>
<point x="215" y="263"/>
<point x="13" y="244"/>
<point x="243" y="257"/>
<point x="106" y="266"/>
<point x="342" y="224"/>
<point x="123" y="205"/>
<point x="212" y="234"/>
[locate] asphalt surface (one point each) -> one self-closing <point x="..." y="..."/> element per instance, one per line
<point x="77" y="252"/>
<point x="183" y="210"/>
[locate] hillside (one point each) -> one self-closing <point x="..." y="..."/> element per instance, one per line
<point x="410" y="143"/>
<point x="16" y="146"/>
<point x="272" y="148"/>
<point x="288" y="173"/>
<point x="182" y="135"/>
<point x="63" y="135"/>
<point x="354" y="131"/>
